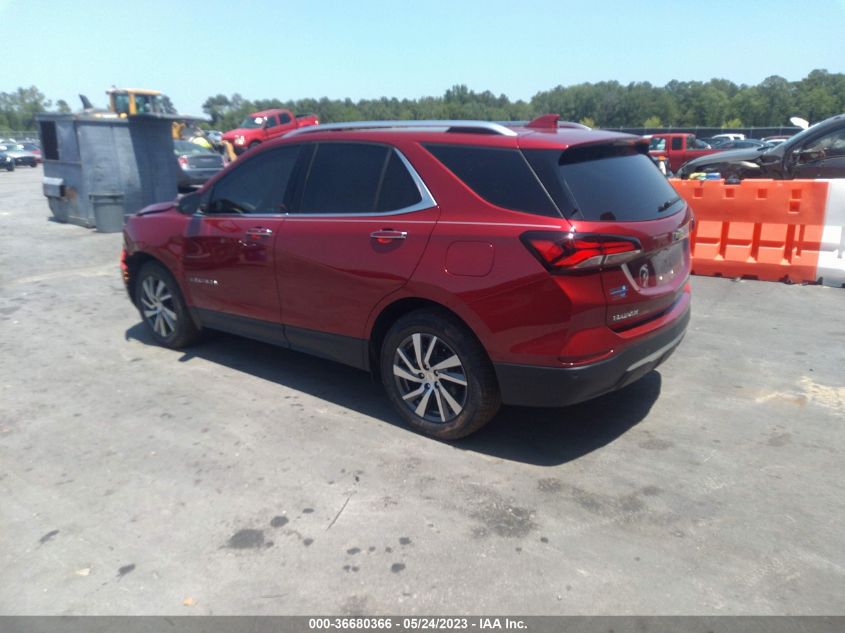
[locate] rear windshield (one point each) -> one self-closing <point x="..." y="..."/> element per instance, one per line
<point x="605" y="183"/>
<point x="188" y="148"/>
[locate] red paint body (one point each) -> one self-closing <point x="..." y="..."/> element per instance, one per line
<point x="328" y="275"/>
<point x="277" y="122"/>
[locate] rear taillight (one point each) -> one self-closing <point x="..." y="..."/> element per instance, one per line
<point x="573" y="252"/>
<point x="183" y="162"/>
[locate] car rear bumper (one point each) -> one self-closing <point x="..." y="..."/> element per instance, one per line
<point x="533" y="386"/>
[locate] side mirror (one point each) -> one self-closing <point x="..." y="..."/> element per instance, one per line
<point x="190" y="203"/>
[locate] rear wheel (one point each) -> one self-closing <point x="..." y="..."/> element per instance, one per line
<point x="438" y="376"/>
<point x="163" y="308"/>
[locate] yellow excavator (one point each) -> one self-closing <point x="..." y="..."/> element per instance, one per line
<point x="124" y="102"/>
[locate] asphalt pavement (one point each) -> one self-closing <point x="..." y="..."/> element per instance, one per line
<point x="239" y="478"/>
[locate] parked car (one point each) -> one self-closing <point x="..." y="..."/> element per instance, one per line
<point x="677" y="148"/>
<point x="6" y="162"/>
<point x="817" y="152"/>
<point x="741" y="144"/>
<point x="34" y="148"/>
<point x="196" y="163"/>
<point x="19" y="154"/>
<point x="729" y="136"/>
<point x="465" y="263"/>
<point x="262" y="126"/>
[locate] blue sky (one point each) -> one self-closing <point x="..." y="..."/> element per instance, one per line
<point x="191" y="49"/>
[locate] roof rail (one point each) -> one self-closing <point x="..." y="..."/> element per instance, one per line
<point x="458" y="126"/>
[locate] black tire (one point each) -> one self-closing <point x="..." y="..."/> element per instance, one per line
<point x="479" y="398"/>
<point x="33" y="165"/>
<point x="253" y="145"/>
<point x="164" y="301"/>
<point x="10" y="166"/>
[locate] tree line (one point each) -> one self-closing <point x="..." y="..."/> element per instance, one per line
<point x="18" y="108"/>
<point x="608" y="104"/>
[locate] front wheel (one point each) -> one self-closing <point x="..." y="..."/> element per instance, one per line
<point x="438" y="376"/>
<point x="163" y="308"/>
<point x="10" y="166"/>
<point x="253" y="145"/>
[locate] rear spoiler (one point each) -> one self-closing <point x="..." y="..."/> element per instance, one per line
<point x="553" y="122"/>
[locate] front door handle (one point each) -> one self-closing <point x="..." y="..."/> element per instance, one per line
<point x="387" y="235"/>
<point x="259" y="231"/>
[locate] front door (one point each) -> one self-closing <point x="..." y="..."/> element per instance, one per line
<point x="823" y="157"/>
<point x="356" y="234"/>
<point x="229" y="255"/>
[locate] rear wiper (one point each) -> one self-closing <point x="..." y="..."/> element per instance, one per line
<point x="667" y="204"/>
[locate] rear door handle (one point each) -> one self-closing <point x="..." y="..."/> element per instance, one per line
<point x="259" y="231"/>
<point x="386" y="235"/>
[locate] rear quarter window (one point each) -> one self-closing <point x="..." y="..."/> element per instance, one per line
<point x="605" y="183"/>
<point x="500" y="176"/>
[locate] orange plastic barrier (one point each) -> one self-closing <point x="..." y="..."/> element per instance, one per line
<point x="758" y="229"/>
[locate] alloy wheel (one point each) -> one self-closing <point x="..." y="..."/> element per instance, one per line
<point x="430" y="377"/>
<point x="157" y="306"/>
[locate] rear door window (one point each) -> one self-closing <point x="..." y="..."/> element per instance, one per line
<point x="501" y="176"/>
<point x="605" y="183"/>
<point x="344" y="178"/>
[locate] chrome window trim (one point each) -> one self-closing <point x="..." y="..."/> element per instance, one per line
<point x="427" y="201"/>
<point x="238" y="215"/>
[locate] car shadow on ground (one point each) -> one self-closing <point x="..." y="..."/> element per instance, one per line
<point x="543" y="437"/>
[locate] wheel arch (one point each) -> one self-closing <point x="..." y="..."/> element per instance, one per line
<point x="396" y="310"/>
<point x="133" y="266"/>
<point x="135" y="261"/>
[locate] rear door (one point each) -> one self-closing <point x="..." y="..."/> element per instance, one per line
<point x="359" y="227"/>
<point x="271" y="126"/>
<point x="285" y="124"/>
<point x="822" y="157"/>
<point x="678" y="153"/>
<point x="229" y="256"/>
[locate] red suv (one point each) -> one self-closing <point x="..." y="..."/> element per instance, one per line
<point x="465" y="263"/>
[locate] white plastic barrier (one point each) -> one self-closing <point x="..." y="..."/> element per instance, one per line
<point x="831" y="266"/>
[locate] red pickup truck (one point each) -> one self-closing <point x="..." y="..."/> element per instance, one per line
<point x="262" y="126"/>
<point x="677" y="148"/>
